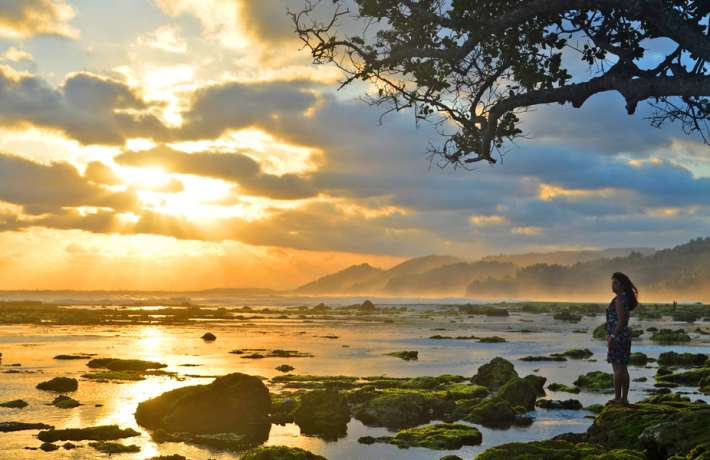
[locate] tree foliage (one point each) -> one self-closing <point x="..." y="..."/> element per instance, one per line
<point x="472" y="66"/>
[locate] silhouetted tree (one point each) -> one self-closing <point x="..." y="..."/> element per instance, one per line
<point x="479" y="63"/>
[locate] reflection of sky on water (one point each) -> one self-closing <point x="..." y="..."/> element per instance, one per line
<point x="358" y="350"/>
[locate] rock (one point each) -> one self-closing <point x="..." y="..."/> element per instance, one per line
<point x="285" y="368"/>
<point x="692" y="377"/>
<point x="567" y="316"/>
<point x="405" y="355"/>
<point x="209" y="337"/>
<point x="450" y="457"/>
<point x="401" y="409"/>
<point x="115" y="364"/>
<point x="65" y="402"/>
<point x="367" y="306"/>
<point x="595" y="381"/>
<point x="73" y="357"/>
<point x="670" y="336"/>
<point x="324" y="413"/>
<point x="519" y="392"/>
<point x="108" y="447"/>
<point x="280" y="453"/>
<point x="662" y="425"/>
<point x="671" y="358"/>
<point x="544" y="358"/>
<point x="568" y="404"/>
<point x="494" y="374"/>
<point x="95" y="433"/>
<point x="561" y="387"/>
<point x="441" y="436"/>
<point x="59" y="385"/>
<point x="538" y="382"/>
<point x="599" y="332"/>
<point x="594" y="408"/>
<point x="638" y="359"/>
<point x="577" y="353"/>
<point x="15" y="404"/>
<point x="235" y="403"/>
<point x="8" y="427"/>
<point x="69" y="446"/>
<point x="492" y="412"/>
<point x="169" y="457"/>
<point x="556" y="450"/>
<point x="49" y="447"/>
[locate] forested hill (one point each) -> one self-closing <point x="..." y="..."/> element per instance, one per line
<point x="682" y="273"/>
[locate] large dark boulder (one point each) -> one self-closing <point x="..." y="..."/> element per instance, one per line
<point x="235" y="403"/>
<point x="59" y="385"/>
<point x="519" y="392"/>
<point x="494" y="374"/>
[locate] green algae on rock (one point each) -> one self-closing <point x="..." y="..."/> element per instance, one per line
<point x="567" y="404"/>
<point x="495" y="373"/>
<point x="401" y="408"/>
<point x="409" y="355"/>
<point x="595" y="381"/>
<point x="544" y="358"/>
<point x="563" y="388"/>
<point x="600" y="332"/>
<point x="638" y="359"/>
<point x="280" y="453"/>
<point x="440" y="436"/>
<point x="235" y="403"/>
<point x="670" y="336"/>
<point x="65" y="402"/>
<point x="324" y="413"/>
<point x="492" y="412"/>
<point x="59" y="385"/>
<point x="556" y="450"/>
<point x="95" y="433"/>
<point x="578" y="353"/>
<point x="15" y="404"/>
<point x="671" y="358"/>
<point x="285" y="368"/>
<point x="115" y="364"/>
<point x="109" y="447"/>
<point x="9" y="427"/>
<point x="519" y="392"/>
<point x="691" y="377"/>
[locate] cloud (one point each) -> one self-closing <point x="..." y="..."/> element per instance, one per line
<point x="26" y="18"/>
<point x="86" y="107"/>
<point x="13" y="54"/>
<point x="233" y="167"/>
<point x="43" y="189"/>
<point x="166" y="38"/>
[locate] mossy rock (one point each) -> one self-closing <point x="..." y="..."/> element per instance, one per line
<point x="116" y="364"/>
<point x="48" y="447"/>
<point x="599" y="332"/>
<point x="492" y="412"/>
<point x="9" y="427"/>
<point x="109" y="447"/>
<point x="397" y="409"/>
<point x="519" y="392"/>
<point x="495" y="373"/>
<point x="671" y="358"/>
<point x="538" y="382"/>
<point x="285" y="368"/>
<point x="594" y="408"/>
<point x="567" y="404"/>
<point x="595" y="381"/>
<point x="578" y="353"/>
<point x="638" y="359"/>
<point x="59" y="385"/>
<point x="65" y="402"/>
<point x="323" y="413"/>
<point x="15" y="404"/>
<point x="209" y="337"/>
<point x="94" y="433"/>
<point x="556" y="450"/>
<point x="670" y="336"/>
<point x="563" y="388"/>
<point x="691" y="377"/>
<point x="466" y="391"/>
<point x="235" y="403"/>
<point x="557" y="358"/>
<point x="663" y="425"/>
<point x="441" y="436"/>
<point x="410" y="355"/>
<point x="491" y="339"/>
<point x="280" y="453"/>
<point x="567" y="316"/>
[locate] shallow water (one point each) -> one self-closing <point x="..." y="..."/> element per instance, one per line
<point x="357" y="351"/>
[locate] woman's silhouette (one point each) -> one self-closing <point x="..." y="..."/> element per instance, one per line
<point x="618" y="333"/>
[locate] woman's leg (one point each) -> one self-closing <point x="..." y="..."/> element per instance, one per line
<point x="625" y="385"/>
<point x="618" y="381"/>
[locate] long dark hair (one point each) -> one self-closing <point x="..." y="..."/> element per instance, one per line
<point x="628" y="288"/>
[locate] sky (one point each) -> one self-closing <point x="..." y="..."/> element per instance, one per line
<point x="191" y="144"/>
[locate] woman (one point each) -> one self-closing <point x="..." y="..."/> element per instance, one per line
<point x="618" y="333"/>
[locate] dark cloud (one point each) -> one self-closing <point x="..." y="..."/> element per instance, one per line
<point x="46" y="188"/>
<point x="233" y="167"/>
<point x="88" y="108"/>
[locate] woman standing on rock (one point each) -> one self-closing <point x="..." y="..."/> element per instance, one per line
<point x="618" y="333"/>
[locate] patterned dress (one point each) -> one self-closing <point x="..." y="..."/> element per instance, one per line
<point x="620" y="348"/>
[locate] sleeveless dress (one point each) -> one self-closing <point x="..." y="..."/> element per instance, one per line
<point x="620" y="348"/>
